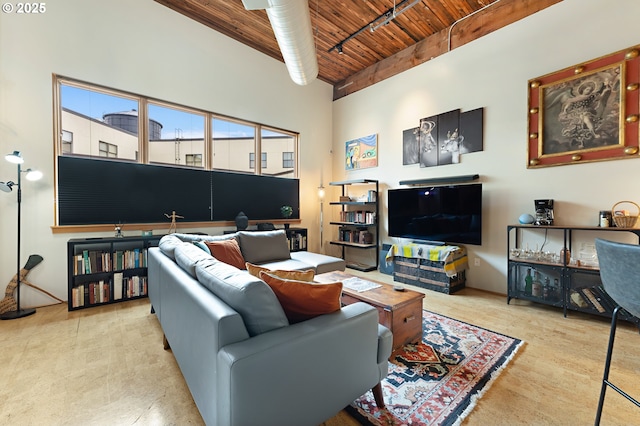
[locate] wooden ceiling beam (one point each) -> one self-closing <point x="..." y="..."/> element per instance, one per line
<point x="494" y="17"/>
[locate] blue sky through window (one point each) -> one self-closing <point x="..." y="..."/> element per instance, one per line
<point x="95" y="105"/>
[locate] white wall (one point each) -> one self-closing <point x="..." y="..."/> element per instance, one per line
<point x="493" y="72"/>
<point x="145" y="48"/>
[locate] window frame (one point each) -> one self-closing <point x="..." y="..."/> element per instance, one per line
<point x="142" y="152"/>
<point x="143" y="125"/>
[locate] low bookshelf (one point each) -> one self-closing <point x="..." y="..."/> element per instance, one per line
<point x="107" y="270"/>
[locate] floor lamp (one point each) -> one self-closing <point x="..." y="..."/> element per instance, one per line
<point x="16" y="158"/>
<point x="321" y="196"/>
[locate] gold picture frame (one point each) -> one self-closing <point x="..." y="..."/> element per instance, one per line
<point x="588" y="112"/>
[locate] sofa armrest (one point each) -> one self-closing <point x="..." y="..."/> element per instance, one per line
<point x="385" y="343"/>
<point x="317" y="366"/>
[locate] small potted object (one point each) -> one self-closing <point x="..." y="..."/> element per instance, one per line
<point x="286" y="212"/>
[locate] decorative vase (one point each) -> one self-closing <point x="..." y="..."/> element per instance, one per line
<point x="242" y="221"/>
<point x="286" y="226"/>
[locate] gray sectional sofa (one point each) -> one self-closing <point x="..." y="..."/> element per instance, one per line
<point x="241" y="359"/>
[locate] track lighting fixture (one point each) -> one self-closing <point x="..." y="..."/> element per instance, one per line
<point x="378" y="22"/>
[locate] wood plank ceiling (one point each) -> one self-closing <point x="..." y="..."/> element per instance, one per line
<point x="427" y="29"/>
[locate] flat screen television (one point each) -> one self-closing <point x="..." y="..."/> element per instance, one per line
<point x="439" y="214"/>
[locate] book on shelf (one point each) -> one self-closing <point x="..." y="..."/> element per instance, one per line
<point x="91" y="262"/>
<point x="358" y="216"/>
<point x="77" y="296"/>
<point x="135" y="286"/>
<point x="117" y="285"/>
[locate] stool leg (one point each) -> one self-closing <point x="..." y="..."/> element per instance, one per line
<point x="607" y="364"/>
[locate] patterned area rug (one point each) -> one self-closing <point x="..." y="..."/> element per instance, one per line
<point x="438" y="381"/>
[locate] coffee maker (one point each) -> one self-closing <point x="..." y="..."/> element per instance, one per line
<point x="544" y="212"/>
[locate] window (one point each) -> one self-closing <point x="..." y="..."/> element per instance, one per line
<point x="108" y="150"/>
<point x="67" y="142"/>
<point x="232" y="141"/>
<point x="175" y="135"/>
<point x="280" y="145"/>
<point x="252" y="160"/>
<point x="288" y="160"/>
<point x="91" y="116"/>
<point x="96" y="121"/>
<point x="193" y="160"/>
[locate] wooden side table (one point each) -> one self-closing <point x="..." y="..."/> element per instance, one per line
<point x="399" y="311"/>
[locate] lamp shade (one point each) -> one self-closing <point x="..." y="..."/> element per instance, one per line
<point x="33" y="175"/>
<point x="15" y="157"/>
<point x="6" y="186"/>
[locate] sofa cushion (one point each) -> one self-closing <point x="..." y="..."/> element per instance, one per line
<point x="320" y="262"/>
<point x="249" y="296"/>
<point x="227" y="251"/>
<point x="303" y="300"/>
<point x="187" y="256"/>
<point x="168" y="243"/>
<point x="266" y="246"/>
<point x="306" y="275"/>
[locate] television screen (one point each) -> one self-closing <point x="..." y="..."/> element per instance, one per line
<point x="441" y="214"/>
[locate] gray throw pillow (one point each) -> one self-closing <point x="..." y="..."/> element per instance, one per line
<point x="251" y="297"/>
<point x="265" y="246"/>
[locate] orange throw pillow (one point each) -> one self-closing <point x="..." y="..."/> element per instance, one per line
<point x="307" y="275"/>
<point x="303" y="300"/>
<point x="227" y="251"/>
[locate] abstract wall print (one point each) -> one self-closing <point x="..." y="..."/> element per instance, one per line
<point x="449" y="139"/>
<point x="361" y="153"/>
<point x="588" y="112"/>
<point x="411" y="146"/>
<point x="471" y="125"/>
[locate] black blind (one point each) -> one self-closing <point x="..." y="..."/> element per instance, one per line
<point x="96" y="191"/>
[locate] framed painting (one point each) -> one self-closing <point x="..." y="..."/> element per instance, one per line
<point x="361" y="153"/>
<point x="588" y="112"/>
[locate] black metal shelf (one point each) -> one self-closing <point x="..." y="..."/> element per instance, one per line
<point x="107" y="246"/>
<point x="356" y="245"/>
<point x="583" y="280"/>
<point x="369" y="206"/>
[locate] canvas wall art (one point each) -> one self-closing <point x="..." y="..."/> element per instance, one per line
<point x="411" y="146"/>
<point x="361" y="153"/>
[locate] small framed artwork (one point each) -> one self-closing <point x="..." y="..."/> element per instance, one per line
<point x="361" y="153"/>
<point x="588" y="112"/>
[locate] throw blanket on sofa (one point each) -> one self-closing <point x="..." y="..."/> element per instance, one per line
<point x="454" y="258"/>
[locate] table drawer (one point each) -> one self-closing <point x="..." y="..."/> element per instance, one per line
<point x="407" y="324"/>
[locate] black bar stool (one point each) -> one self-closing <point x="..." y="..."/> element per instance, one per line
<point x="619" y="271"/>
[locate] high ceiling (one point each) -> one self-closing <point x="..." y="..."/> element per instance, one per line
<point x="420" y="32"/>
